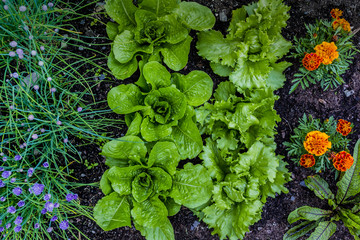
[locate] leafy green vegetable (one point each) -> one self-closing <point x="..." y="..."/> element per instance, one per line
<point x="249" y="52"/>
<point x="153" y="30"/>
<point x="323" y="220"/>
<point x="161" y="106"/>
<point x="148" y="189"/>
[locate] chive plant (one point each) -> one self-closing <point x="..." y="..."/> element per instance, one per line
<point x="46" y="101"/>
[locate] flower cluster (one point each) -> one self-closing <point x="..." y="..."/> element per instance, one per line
<point x="317" y="143"/>
<point x="327" y="51"/>
<point x="343" y="161"/>
<point x="339" y="22"/>
<point x="343" y="127"/>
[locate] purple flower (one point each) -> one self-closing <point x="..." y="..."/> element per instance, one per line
<point x="53" y="90"/>
<point x="37" y="189"/>
<point x="56" y="205"/>
<point x="42" y="48"/>
<point x="36" y="87"/>
<point x="31" y="117"/>
<point x="37" y="225"/>
<point x="12" y="54"/>
<point x="8" y="225"/>
<point x="70" y="197"/>
<point x="1" y="169"/>
<point x="15" y="75"/>
<point x="3" y="199"/>
<point x="17" y="157"/>
<point x="12" y="180"/>
<point x="44" y="8"/>
<point x="30" y="172"/>
<point x="6" y="174"/>
<point x="53" y="219"/>
<point x="49" y="79"/>
<point x="22" y="8"/>
<point x="45" y="164"/>
<point x="64" y="225"/>
<point x="6" y="7"/>
<point x="2" y="184"/>
<point x="19" y="51"/>
<point x="4" y="159"/>
<point x="41" y="63"/>
<point x="79" y="109"/>
<point x="21" y="203"/>
<point x="49" y="230"/>
<point x="56" y="30"/>
<point x="50" y="4"/>
<point x="13" y="44"/>
<point x="11" y="210"/>
<point x="34" y="136"/>
<point x="31" y="37"/>
<point x="2" y="229"/>
<point x="58" y="123"/>
<point x="43" y="211"/>
<point x="17" y="229"/>
<point x="18" y="220"/>
<point x="49" y="206"/>
<point x="21" y="56"/>
<point x="17" y="191"/>
<point x="66" y="140"/>
<point x="47" y="197"/>
<point x="42" y="130"/>
<point x="33" y="53"/>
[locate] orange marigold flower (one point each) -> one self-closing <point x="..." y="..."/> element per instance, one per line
<point x="327" y="51"/>
<point x="307" y="160"/>
<point x="311" y="61"/>
<point x="343" y="127"/>
<point x="336" y="13"/>
<point x="343" y="161"/>
<point x="341" y="23"/>
<point x="317" y="143"/>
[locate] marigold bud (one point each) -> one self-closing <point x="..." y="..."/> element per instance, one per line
<point x="307" y="160"/>
<point x="343" y="127"/>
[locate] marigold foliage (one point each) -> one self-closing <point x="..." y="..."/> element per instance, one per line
<point x="317" y="143"/>
<point x="345" y="25"/>
<point x="307" y="160"/>
<point x="327" y="51"/>
<point x="311" y="61"/>
<point x="343" y="161"/>
<point x="336" y="13"/>
<point x="343" y="127"/>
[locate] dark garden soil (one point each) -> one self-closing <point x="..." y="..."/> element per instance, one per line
<point x="343" y="102"/>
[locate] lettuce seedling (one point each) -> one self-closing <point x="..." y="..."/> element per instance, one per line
<point x="148" y="189"/>
<point x="250" y="51"/>
<point x="153" y="30"/>
<point x="344" y="206"/>
<point x="162" y="106"/>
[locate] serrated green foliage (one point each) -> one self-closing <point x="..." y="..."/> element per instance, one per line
<point x="327" y="76"/>
<point x="323" y="220"/>
<point x="161" y="106"/>
<point x="307" y="124"/>
<point x="145" y="186"/>
<point x="249" y="52"/>
<point x="153" y="30"/>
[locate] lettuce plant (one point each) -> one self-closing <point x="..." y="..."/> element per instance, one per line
<point x="344" y="206"/>
<point x="249" y="52"/>
<point x="240" y="157"/>
<point x="153" y="30"/>
<point x="148" y="189"/>
<point x="166" y="110"/>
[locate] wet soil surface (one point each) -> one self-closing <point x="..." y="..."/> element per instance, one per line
<point x="312" y="101"/>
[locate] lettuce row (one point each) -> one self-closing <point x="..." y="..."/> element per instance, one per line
<point x="161" y="105"/>
<point x="153" y="30"/>
<point x="147" y="188"/>
<point x="248" y="54"/>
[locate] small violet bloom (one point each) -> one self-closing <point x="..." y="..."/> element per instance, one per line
<point x="47" y="197"/>
<point x="49" y="230"/>
<point x="6" y="7"/>
<point x="6" y="174"/>
<point x="42" y="48"/>
<point x="31" y="117"/>
<point x="12" y="180"/>
<point x="34" y="136"/>
<point x="30" y="172"/>
<point x="37" y="189"/>
<point x="37" y="225"/>
<point x="1" y="169"/>
<point x="56" y="205"/>
<point x="17" y="229"/>
<point x="8" y="225"/>
<point x="43" y="211"/>
<point x="19" y="51"/>
<point x="15" y="75"/>
<point x="49" y="79"/>
<point x="17" y="157"/>
<point x="64" y="225"/>
<point x="18" y="220"/>
<point x="21" y="203"/>
<point x="22" y="8"/>
<point x="49" y="206"/>
<point x="58" y="123"/>
<point x="13" y="44"/>
<point x="70" y="197"/>
<point x="66" y="140"/>
<point x="45" y="164"/>
<point x="11" y="210"/>
<point x="44" y="8"/>
<point x="17" y="191"/>
<point x="36" y="87"/>
<point x="79" y="109"/>
<point x="12" y="54"/>
<point x="41" y="63"/>
<point x="3" y="199"/>
<point x="50" y="4"/>
<point x="2" y="184"/>
<point x="33" y="53"/>
<point x="53" y="90"/>
<point x="53" y="219"/>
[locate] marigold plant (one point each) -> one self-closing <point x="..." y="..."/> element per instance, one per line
<point x="343" y="127"/>
<point x="336" y="13"/>
<point x="343" y="161"/>
<point x="342" y="23"/>
<point x="317" y="143"/>
<point x="311" y="61"/>
<point x="327" y="51"/>
<point x="314" y="143"/>
<point x="307" y="160"/>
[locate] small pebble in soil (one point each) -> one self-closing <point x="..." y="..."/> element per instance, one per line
<point x="349" y="93"/>
<point x="302" y="183"/>
<point x="102" y="77"/>
<point x="222" y="16"/>
<point x="292" y="198"/>
<point x="195" y="224"/>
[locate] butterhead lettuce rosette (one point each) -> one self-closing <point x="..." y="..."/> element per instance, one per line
<point x="152" y="30"/>
<point x="146" y="188"/>
<point x="161" y="106"/>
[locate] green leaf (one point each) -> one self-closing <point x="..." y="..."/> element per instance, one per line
<point x="159" y="7"/>
<point x="156" y="75"/>
<point x="323" y="231"/>
<point x="162" y="180"/>
<point x="153" y="132"/>
<point x="319" y="186"/>
<point x="124" y="149"/>
<point x="224" y="91"/>
<point x="221" y="70"/>
<point x="122" y="70"/>
<point x="175" y="32"/>
<point x="112" y="211"/>
<point x="299" y="230"/>
<point x="125" y="99"/>
<point x="187" y="137"/>
<point x="134" y="128"/>
<point x="163" y="232"/>
<point x="197" y="86"/>
<point x="172" y="207"/>
<point x="122" y="11"/>
<point x="142" y="187"/>
<point x="176" y="55"/>
<point x="192" y="186"/>
<point x="150" y="213"/>
<point x="195" y="16"/>
<point x="112" y="30"/>
<point x="105" y="184"/>
<point x="121" y="178"/>
<point x="212" y="160"/>
<point x="276" y="77"/>
<point x="125" y="47"/>
<point x="164" y="155"/>
<point x="313" y="214"/>
<point x="349" y="185"/>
